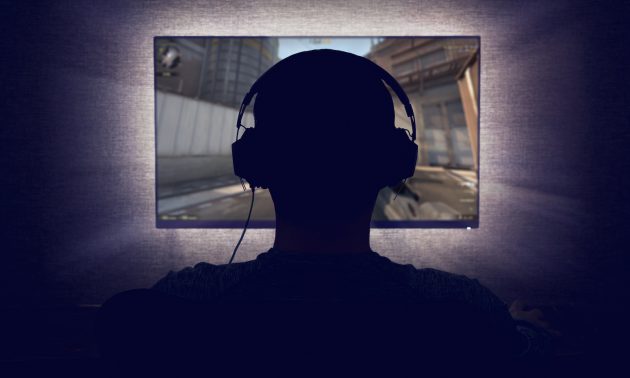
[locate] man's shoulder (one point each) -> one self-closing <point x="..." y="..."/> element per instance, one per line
<point x="438" y="285"/>
<point x="428" y="276"/>
<point x="204" y="280"/>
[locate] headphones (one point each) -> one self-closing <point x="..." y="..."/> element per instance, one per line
<point x="397" y="163"/>
<point x="400" y="153"/>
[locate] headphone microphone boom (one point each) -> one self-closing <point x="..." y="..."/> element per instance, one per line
<point x="400" y="154"/>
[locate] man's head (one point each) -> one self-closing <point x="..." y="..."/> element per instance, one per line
<point x="325" y="137"/>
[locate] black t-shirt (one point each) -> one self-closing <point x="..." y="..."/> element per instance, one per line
<point x="351" y="310"/>
<point x="363" y="277"/>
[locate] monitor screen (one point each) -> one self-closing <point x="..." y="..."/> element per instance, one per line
<point x="200" y="83"/>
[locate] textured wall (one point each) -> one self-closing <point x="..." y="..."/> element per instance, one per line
<point x="80" y="161"/>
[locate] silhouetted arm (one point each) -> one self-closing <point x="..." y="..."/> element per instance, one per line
<point x="525" y="340"/>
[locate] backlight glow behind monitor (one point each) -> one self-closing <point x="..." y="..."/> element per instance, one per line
<point x="201" y="81"/>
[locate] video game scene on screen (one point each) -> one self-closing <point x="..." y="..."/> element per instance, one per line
<point x="199" y="86"/>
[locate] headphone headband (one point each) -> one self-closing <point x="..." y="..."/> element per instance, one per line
<point x="382" y="74"/>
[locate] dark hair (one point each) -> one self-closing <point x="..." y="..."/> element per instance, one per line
<point x="321" y="102"/>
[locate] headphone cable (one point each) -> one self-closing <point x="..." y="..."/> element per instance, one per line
<point x="251" y="206"/>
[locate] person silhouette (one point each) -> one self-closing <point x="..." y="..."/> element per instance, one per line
<point x="324" y="144"/>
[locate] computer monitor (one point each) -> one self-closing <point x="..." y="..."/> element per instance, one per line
<point x="200" y="83"/>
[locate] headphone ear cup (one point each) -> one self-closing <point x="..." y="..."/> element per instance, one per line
<point x="401" y="158"/>
<point x="248" y="161"/>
